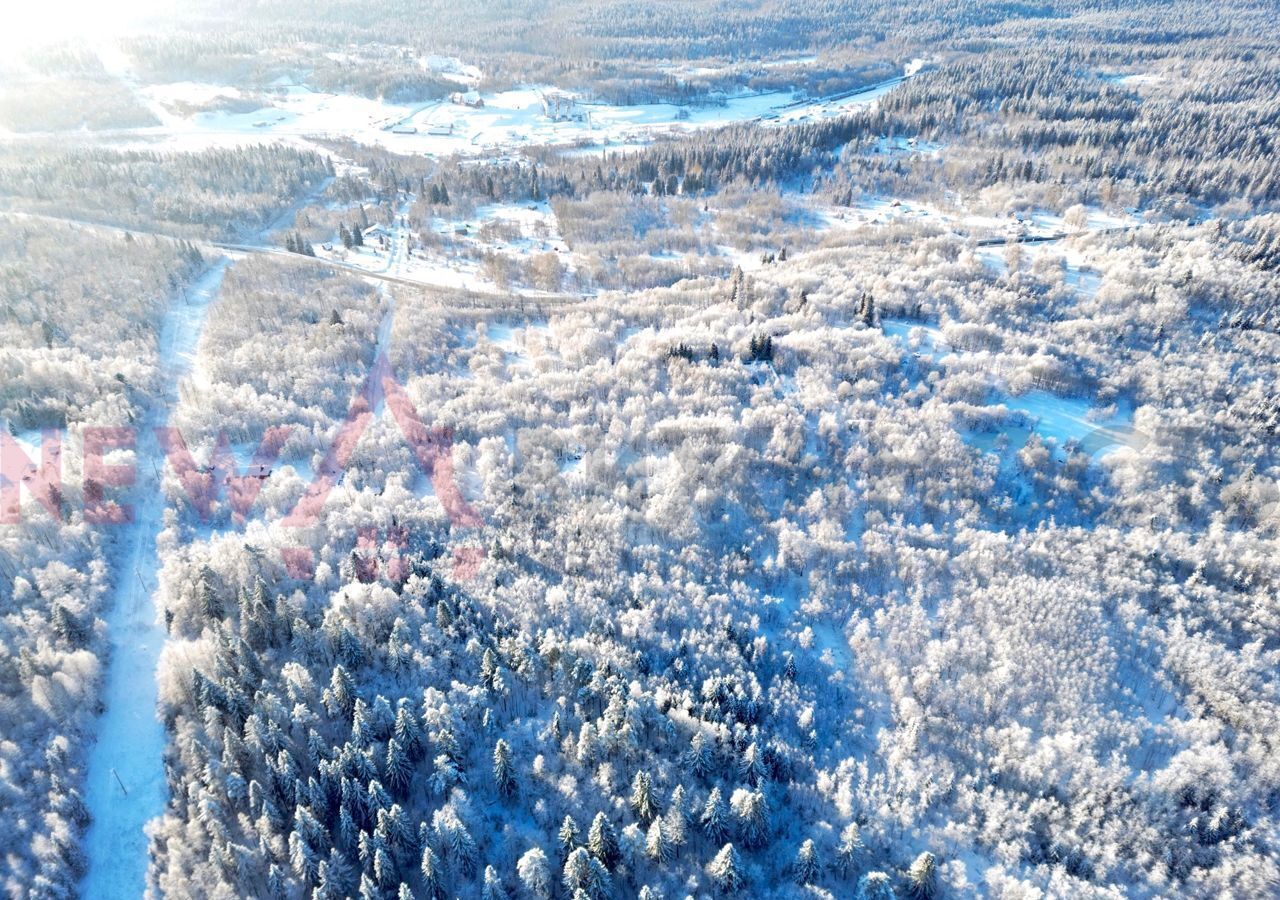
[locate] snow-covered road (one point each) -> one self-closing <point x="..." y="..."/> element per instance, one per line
<point x="126" y="784"/>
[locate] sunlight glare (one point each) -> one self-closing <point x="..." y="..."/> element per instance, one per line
<point x="25" y="25"/>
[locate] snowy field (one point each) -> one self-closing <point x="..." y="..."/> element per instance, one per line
<point x="1056" y="419"/>
<point x="878" y="210"/>
<point x="196" y="114"/>
<point x="513" y="230"/>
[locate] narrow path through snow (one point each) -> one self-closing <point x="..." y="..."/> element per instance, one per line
<point x="126" y="785"/>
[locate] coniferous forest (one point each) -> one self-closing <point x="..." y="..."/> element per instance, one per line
<point x="599" y="450"/>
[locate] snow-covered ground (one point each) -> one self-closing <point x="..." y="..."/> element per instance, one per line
<point x="901" y="145"/>
<point x="1077" y="271"/>
<point x="878" y="210"/>
<point x="126" y="784"/>
<point x="819" y="108"/>
<point x="519" y="342"/>
<point x="452" y="69"/>
<point x="530" y="229"/>
<point x="922" y="339"/>
<point x="1067" y="419"/>
<point x="1135" y="79"/>
<point x="1055" y="418"/>
<point x="506" y="119"/>
<point x="875" y="210"/>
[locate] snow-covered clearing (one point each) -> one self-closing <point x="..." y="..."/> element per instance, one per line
<point x="1061" y="420"/>
<point x="1078" y="272"/>
<point x="900" y="145"/>
<point x="1067" y="419"/>
<point x="452" y="68"/>
<point x="126" y="784"/>
<point x="516" y="118"/>
<point x="819" y="108"/>
<point x="195" y="115"/>
<point x="1135" y="79"/>
<point x="520" y="343"/>
<point x="512" y="230"/>
<point x="878" y="210"/>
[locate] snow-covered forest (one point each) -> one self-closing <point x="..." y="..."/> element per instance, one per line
<point x="649" y="450"/>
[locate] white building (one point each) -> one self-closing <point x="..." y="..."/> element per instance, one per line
<point x="560" y="107"/>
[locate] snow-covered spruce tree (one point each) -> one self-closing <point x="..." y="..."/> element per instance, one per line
<point x="875" y="886"/>
<point x="849" y="851"/>
<point x="642" y="801"/>
<point x="922" y="877"/>
<point x="504" y="777"/>
<point x="657" y="847"/>
<point x="430" y="868"/>
<point x="752" y="814"/>
<point x="698" y="759"/>
<point x="492" y="888"/>
<point x="568" y="835"/>
<point x="725" y="870"/>
<point x="675" y="821"/>
<point x="583" y="872"/>
<point x="806" y="867"/>
<point x="715" y="817"/>
<point x="602" y="841"/>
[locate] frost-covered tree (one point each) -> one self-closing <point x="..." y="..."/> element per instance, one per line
<point x="492" y="888"/>
<point x="534" y="870"/>
<point x="725" y="870"/>
<point x="503" y="771"/>
<point x="583" y="872"/>
<point x="875" y="886"/>
<point x="698" y="758"/>
<point x="568" y="834"/>
<point x="751" y="811"/>
<point x="675" y="821"/>
<point x="642" y="801"/>
<point x="715" y="817"/>
<point x="602" y="841"/>
<point x="922" y="877"/>
<point x="806" y="867"/>
<point x="849" y="851"/>
<point x="657" y="847"/>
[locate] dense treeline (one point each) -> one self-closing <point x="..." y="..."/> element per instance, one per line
<point x="853" y="661"/>
<point x="70" y="103"/>
<point x="871" y="562"/>
<point x="222" y="193"/>
<point x="78" y="347"/>
<point x="78" y="342"/>
<point x="1206" y="133"/>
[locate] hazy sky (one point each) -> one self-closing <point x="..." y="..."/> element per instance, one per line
<point x="31" y="22"/>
